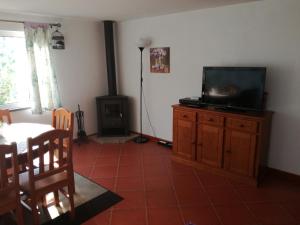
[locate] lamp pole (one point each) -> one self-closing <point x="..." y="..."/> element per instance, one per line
<point x="140" y="139"/>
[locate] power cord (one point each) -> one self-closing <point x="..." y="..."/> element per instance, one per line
<point x="148" y="116"/>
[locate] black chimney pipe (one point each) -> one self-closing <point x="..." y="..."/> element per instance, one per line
<point x="110" y="57"/>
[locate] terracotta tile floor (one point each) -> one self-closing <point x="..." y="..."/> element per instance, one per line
<point x="157" y="191"/>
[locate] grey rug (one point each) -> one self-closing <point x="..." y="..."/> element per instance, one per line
<point x="90" y="199"/>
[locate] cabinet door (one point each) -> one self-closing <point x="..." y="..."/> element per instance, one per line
<point x="186" y="144"/>
<point x="239" y="154"/>
<point x="209" y="145"/>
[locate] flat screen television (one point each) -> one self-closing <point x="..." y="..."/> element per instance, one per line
<point x="238" y="88"/>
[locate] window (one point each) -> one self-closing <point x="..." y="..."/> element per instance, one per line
<point x="14" y="70"/>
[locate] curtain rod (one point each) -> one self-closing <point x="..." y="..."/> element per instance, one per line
<point x="17" y="21"/>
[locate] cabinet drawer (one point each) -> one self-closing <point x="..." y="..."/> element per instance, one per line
<point x="211" y="119"/>
<point x="245" y="125"/>
<point x="186" y="115"/>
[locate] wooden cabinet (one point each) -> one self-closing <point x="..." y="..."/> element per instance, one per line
<point x="185" y="134"/>
<point x="209" y="144"/>
<point x="239" y="155"/>
<point x="231" y="144"/>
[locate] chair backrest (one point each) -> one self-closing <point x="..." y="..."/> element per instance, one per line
<point x="9" y="170"/>
<point x="63" y="119"/>
<point x="5" y="116"/>
<point x="60" y="156"/>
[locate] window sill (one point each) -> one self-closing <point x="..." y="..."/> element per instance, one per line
<point x="14" y="109"/>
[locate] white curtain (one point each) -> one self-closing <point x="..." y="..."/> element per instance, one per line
<point x="44" y="88"/>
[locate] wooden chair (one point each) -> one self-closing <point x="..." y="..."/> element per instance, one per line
<point x="50" y="177"/>
<point x="9" y="183"/>
<point x="64" y="119"/>
<point x="5" y="113"/>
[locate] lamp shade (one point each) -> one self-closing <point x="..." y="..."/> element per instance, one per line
<point x="143" y="42"/>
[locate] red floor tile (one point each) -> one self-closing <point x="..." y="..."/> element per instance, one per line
<point x="133" y="159"/>
<point x="131" y="148"/>
<point x="109" y="150"/>
<point x="130" y="184"/>
<point x="149" y="160"/>
<point x="157" y="191"/>
<point x="129" y="217"/>
<point x="131" y="151"/>
<point x="223" y="195"/>
<point x="161" y="198"/>
<point x="180" y="169"/>
<point x="132" y="200"/>
<point x="83" y="170"/>
<point x="167" y="161"/>
<point x="283" y="193"/>
<point x="192" y="197"/>
<point x="164" y="216"/>
<point x="107" y="161"/>
<point x="271" y="214"/>
<point x="151" y="150"/>
<point x="104" y="172"/>
<point x="183" y="181"/>
<point x="108" y="183"/>
<point x="201" y="215"/>
<point x="253" y="194"/>
<point x="235" y="215"/>
<point x="155" y="170"/>
<point x="130" y="171"/>
<point x="212" y="180"/>
<point x="84" y="160"/>
<point x="158" y="183"/>
<point x="294" y="209"/>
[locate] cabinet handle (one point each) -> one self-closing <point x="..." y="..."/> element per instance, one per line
<point x="242" y="125"/>
<point x="193" y="142"/>
<point x="211" y="119"/>
<point x="184" y="116"/>
<point x="228" y="151"/>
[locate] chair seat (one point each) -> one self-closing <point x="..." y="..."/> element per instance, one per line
<point x="42" y="183"/>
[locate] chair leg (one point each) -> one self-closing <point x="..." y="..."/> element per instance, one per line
<point x="71" y="200"/>
<point x="44" y="201"/>
<point x="56" y="198"/>
<point x="19" y="215"/>
<point x="35" y="214"/>
<point x="72" y="182"/>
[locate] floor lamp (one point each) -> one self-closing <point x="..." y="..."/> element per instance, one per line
<point x="143" y="43"/>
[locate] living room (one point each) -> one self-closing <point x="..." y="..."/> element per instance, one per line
<point x="248" y="33"/>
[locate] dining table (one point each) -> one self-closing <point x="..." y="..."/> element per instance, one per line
<point x="19" y="133"/>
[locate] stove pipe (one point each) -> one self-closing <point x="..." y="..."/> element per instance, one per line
<point x="110" y="57"/>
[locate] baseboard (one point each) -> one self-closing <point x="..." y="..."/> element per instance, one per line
<point x="151" y="138"/>
<point x="75" y="140"/>
<point x="283" y="175"/>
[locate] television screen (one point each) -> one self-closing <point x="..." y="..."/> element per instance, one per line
<point x="234" y="87"/>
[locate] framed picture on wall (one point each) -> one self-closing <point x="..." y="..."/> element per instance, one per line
<point x="160" y="60"/>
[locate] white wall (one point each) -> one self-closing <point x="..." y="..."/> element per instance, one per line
<point x="80" y="69"/>
<point x="264" y="33"/>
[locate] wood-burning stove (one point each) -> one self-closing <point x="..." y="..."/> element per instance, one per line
<point x="112" y="112"/>
<point x="112" y="109"/>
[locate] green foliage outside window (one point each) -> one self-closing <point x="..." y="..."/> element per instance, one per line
<point x="7" y="71"/>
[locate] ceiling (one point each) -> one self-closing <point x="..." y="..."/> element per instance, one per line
<point x="118" y="10"/>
